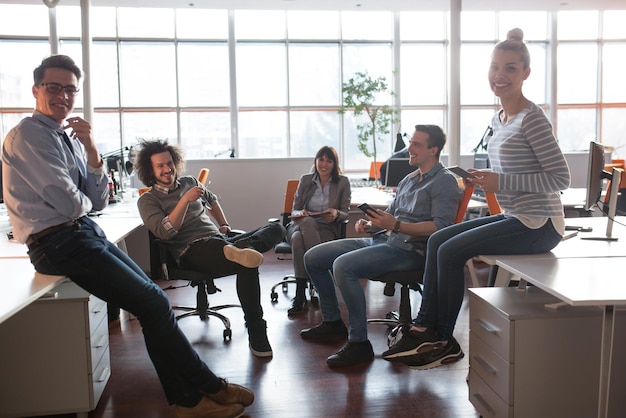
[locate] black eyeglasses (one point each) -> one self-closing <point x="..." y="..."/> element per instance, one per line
<point x="55" y="88"/>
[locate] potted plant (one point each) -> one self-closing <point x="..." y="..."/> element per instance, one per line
<point x="360" y="93"/>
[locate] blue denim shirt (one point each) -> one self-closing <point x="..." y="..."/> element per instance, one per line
<point x="435" y="198"/>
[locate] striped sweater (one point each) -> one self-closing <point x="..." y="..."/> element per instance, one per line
<point x="531" y="165"/>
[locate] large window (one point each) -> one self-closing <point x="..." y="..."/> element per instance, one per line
<point x="274" y="89"/>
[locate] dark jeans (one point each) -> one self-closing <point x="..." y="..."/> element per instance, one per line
<point x="449" y="249"/>
<point x="82" y="253"/>
<point x="208" y="256"/>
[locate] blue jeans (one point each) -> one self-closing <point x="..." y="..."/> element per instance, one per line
<point x="82" y="253"/>
<point x="449" y="249"/>
<point x="351" y="259"/>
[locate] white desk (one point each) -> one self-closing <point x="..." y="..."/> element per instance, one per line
<point x="595" y="281"/>
<point x="573" y="247"/>
<point x="21" y="286"/>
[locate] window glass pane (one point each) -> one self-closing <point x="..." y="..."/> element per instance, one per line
<point x="580" y="24"/>
<point x="614" y="24"/>
<point x="202" y="23"/>
<point x="260" y="24"/>
<point x="534" y="24"/>
<point x="535" y="85"/>
<point x="614" y="130"/>
<point x="149" y="125"/>
<point x="375" y="59"/>
<point x="423" y="81"/>
<point x="24" y="20"/>
<point x="367" y="25"/>
<point x="203" y="74"/>
<point x="261" y="75"/>
<point x="105" y="23"/>
<point x="477" y="26"/>
<point x="475" y="60"/>
<point x="16" y="75"/>
<point x="613" y="81"/>
<point x="418" y="26"/>
<point x="144" y="22"/>
<point x="205" y="135"/>
<point x="262" y="134"/>
<point x="312" y="24"/>
<point x="141" y="85"/>
<point x="576" y="128"/>
<point x="577" y="73"/>
<point x="312" y="130"/>
<point x="314" y="75"/>
<point x="106" y="132"/>
<point x="473" y="125"/>
<point x="354" y="159"/>
<point x="69" y="21"/>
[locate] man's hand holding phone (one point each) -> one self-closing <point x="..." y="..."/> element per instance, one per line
<point x="365" y="208"/>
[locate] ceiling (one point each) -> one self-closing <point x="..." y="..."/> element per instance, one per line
<point x="514" y="5"/>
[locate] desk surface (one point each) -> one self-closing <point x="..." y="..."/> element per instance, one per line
<point x="21" y="285"/>
<point x="577" y="281"/>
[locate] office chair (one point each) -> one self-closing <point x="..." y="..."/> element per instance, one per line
<point x="411" y="279"/>
<point x="164" y="267"/>
<point x="283" y="249"/>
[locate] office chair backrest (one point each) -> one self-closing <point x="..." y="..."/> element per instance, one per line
<point x="467" y="195"/>
<point x="203" y="175"/>
<point x="492" y="204"/>
<point x="290" y="193"/>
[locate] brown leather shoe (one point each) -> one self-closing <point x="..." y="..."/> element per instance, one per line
<point x="231" y="393"/>
<point x="209" y="409"/>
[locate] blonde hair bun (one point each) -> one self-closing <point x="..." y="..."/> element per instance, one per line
<point x="515" y="35"/>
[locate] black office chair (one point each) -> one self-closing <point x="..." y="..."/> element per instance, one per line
<point x="164" y="267"/>
<point x="411" y="279"/>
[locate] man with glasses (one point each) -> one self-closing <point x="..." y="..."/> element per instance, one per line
<point x="51" y="182"/>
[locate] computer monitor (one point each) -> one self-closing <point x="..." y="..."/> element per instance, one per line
<point x="397" y="169"/>
<point x="596" y="174"/>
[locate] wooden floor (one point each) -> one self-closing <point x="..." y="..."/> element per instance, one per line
<point x="296" y="382"/>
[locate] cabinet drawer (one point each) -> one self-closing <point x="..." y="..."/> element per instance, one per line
<point x="99" y="342"/>
<point x="485" y="400"/>
<point x="492" y="368"/>
<point x="97" y="312"/>
<point x="492" y="328"/>
<point x="100" y="377"/>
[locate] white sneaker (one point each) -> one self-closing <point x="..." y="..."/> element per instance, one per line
<point x="247" y="257"/>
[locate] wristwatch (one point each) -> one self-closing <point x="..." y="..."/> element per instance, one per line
<point x="396" y="227"/>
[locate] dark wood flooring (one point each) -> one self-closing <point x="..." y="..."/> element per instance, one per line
<point x="296" y="382"/>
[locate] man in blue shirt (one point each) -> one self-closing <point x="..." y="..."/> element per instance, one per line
<point x="426" y="201"/>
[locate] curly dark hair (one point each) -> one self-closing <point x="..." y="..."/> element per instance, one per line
<point x="143" y="158"/>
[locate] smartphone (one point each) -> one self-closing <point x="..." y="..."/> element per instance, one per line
<point x="460" y="172"/>
<point x="365" y="207"/>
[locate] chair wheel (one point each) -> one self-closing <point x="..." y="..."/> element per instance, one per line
<point x="228" y="333"/>
<point x="315" y="300"/>
<point x="285" y="287"/>
<point x="274" y="297"/>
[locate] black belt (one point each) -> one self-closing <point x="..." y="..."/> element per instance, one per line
<point x="33" y="238"/>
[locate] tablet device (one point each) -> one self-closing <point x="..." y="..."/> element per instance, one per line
<point x="461" y="172"/>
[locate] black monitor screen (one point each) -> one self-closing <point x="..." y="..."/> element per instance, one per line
<point x="595" y="174"/>
<point x="397" y="169"/>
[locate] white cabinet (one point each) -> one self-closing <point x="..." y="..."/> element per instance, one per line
<point x="527" y="360"/>
<point x="54" y="355"/>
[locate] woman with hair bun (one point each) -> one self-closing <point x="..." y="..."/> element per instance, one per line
<point x="528" y="171"/>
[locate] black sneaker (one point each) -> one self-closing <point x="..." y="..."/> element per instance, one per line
<point x="257" y="337"/>
<point x="352" y="353"/>
<point x="297" y="305"/>
<point x="411" y="343"/>
<point x="434" y="357"/>
<point x="335" y="330"/>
